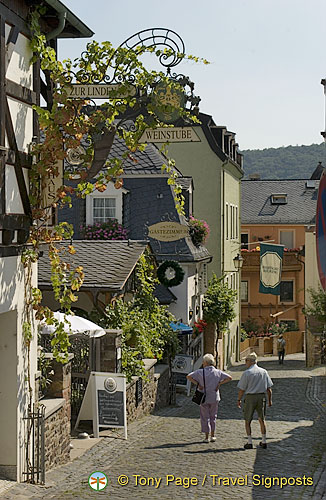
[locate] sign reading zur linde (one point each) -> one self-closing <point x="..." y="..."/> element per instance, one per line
<point x="99" y="91"/>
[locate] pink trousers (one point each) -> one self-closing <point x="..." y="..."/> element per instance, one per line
<point x="208" y="414"/>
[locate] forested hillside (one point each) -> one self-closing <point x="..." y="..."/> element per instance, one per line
<point x="291" y="162"/>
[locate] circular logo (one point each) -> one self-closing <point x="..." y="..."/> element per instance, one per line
<point x="75" y="155"/>
<point x="180" y="363"/>
<point x="97" y="481"/>
<point x="110" y="384"/>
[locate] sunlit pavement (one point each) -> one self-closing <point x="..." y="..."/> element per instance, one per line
<point x="165" y="453"/>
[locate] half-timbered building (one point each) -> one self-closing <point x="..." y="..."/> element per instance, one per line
<point x="21" y="86"/>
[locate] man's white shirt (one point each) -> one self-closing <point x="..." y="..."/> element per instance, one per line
<point x="255" y="380"/>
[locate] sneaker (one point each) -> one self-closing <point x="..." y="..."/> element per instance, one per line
<point x="206" y="440"/>
<point x="248" y="446"/>
<point x="263" y="445"/>
<point x="213" y="439"/>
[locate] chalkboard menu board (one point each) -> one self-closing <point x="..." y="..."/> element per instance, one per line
<point x="180" y="378"/>
<point x="110" y="408"/>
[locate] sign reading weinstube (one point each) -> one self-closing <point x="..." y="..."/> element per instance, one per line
<point x="168" y="231"/>
<point x="170" y="134"/>
<point x="99" y="91"/>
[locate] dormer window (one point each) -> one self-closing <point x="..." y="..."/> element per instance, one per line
<point x="279" y="199"/>
<point x="311" y="184"/>
<point x="101" y="207"/>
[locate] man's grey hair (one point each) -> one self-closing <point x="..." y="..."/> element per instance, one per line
<point x="252" y="357"/>
<point x="209" y="359"/>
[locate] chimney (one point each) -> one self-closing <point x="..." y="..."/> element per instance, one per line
<point x="254" y="177"/>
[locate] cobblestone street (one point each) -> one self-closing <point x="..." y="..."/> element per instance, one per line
<point x="170" y="443"/>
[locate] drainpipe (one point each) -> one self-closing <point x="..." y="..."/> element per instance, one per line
<point x="62" y="22"/>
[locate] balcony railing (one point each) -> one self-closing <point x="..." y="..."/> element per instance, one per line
<point x="251" y="261"/>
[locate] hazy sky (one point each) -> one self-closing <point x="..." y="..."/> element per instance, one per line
<point x="268" y="57"/>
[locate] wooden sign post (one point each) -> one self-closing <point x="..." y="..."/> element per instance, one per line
<point x="105" y="402"/>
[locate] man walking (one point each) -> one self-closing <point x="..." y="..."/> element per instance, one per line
<point x="253" y="384"/>
<point x="281" y="348"/>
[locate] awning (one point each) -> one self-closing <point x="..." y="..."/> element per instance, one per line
<point x="181" y="327"/>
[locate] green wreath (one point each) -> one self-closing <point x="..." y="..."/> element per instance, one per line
<point x="178" y="273"/>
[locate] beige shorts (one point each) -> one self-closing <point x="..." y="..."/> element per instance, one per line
<point x="252" y="403"/>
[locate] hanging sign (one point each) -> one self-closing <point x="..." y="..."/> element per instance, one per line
<point x="99" y="91"/>
<point x="170" y="134"/>
<point x="321" y="231"/>
<point x="168" y="231"/>
<point x="105" y="402"/>
<point x="167" y="101"/>
<point x="270" y="268"/>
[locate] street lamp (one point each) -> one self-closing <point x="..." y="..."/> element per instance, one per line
<point x="238" y="261"/>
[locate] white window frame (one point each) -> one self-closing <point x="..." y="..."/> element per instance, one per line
<point x="226" y="221"/>
<point x="248" y="290"/>
<point x="110" y="192"/>
<point x="95" y="219"/>
<point x="294" y="290"/>
<point x="248" y="233"/>
<point x="283" y="230"/>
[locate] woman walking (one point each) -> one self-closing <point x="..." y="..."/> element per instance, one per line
<point x="209" y="380"/>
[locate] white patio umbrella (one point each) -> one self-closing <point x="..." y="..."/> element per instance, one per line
<point x="74" y="325"/>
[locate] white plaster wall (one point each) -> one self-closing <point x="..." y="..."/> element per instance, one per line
<point x="22" y="121"/>
<point x="180" y="307"/>
<point x="13" y="199"/>
<point x="14" y="361"/>
<point x="19" y="69"/>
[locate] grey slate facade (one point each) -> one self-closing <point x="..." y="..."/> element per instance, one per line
<point x="149" y="199"/>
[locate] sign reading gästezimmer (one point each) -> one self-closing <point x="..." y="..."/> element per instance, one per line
<point x="168" y="231"/>
<point x="270" y="268"/>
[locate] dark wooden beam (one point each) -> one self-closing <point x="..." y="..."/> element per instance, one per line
<point x="11" y="41"/>
<point x="25" y="159"/>
<point x="20" y="93"/>
<point x="18" y="168"/>
<point x="37" y="90"/>
<point x="10" y="251"/>
<point x="14" y="221"/>
<point x="11" y="18"/>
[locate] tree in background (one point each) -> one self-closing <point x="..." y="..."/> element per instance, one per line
<point x="145" y="323"/>
<point x="218" y="310"/>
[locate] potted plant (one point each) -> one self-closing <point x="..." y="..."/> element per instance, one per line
<point x="198" y="230"/>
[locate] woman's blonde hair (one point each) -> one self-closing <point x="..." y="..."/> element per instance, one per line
<point x="209" y="359"/>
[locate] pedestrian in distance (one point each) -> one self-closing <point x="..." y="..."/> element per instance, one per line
<point x="209" y="380"/>
<point x="253" y="385"/>
<point x="281" y="348"/>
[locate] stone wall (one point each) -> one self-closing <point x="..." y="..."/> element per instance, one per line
<point x="155" y="391"/>
<point x="57" y="414"/>
<point x="313" y="349"/>
<point x="57" y="432"/>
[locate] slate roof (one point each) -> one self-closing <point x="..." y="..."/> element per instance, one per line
<point x="164" y="295"/>
<point x="258" y="209"/>
<point x="146" y="162"/>
<point x="185" y="182"/>
<point x="107" y="264"/>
